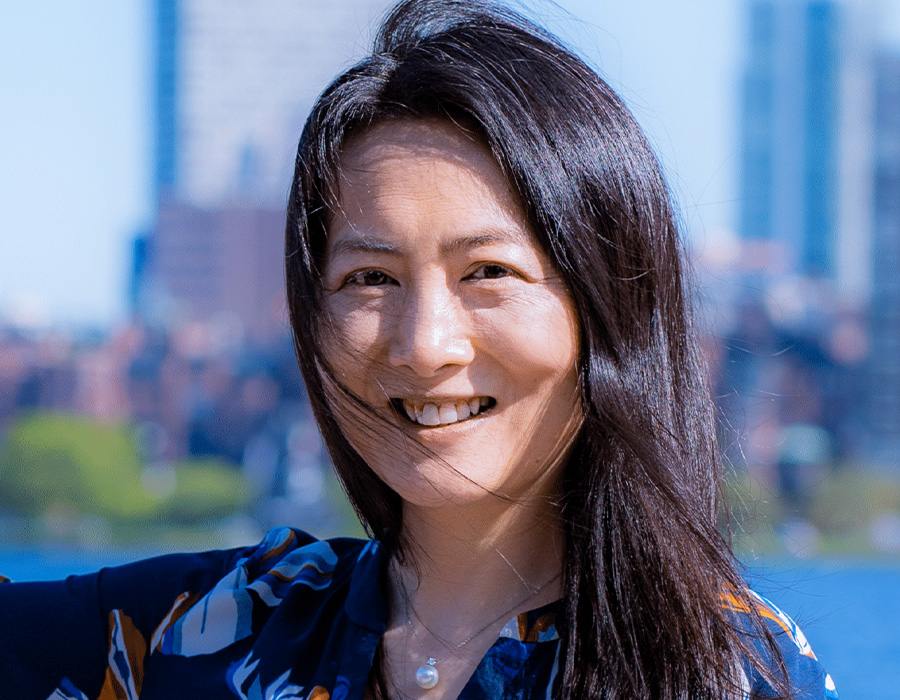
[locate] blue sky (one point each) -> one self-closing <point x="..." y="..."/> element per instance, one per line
<point x="74" y="142"/>
<point x="75" y="130"/>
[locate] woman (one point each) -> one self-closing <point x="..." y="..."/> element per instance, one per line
<point x="485" y="287"/>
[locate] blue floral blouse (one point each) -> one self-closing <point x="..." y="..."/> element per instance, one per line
<point x="292" y="618"/>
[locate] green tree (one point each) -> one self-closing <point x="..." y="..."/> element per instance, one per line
<point x="205" y="489"/>
<point x="49" y="459"/>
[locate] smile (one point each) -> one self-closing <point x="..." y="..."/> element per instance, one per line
<point x="446" y="412"/>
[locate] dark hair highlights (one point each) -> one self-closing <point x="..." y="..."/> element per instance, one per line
<point x="646" y="567"/>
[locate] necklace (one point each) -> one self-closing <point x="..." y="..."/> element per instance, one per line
<point x="427" y="675"/>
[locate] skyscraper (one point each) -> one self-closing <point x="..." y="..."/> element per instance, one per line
<point x="233" y="84"/>
<point x="884" y="388"/>
<point x="806" y="91"/>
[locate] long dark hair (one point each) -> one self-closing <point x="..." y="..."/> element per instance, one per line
<point x="646" y="565"/>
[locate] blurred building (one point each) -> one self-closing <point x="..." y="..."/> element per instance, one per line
<point x="792" y="362"/>
<point x="884" y="387"/>
<point x="223" y="264"/>
<point x="233" y="84"/>
<point x="805" y="136"/>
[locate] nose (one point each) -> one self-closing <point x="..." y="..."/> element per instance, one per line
<point x="431" y="332"/>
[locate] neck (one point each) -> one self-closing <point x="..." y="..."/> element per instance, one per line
<point x="467" y="571"/>
<point x="469" y="565"/>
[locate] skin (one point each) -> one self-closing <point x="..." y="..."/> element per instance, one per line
<point x="438" y="292"/>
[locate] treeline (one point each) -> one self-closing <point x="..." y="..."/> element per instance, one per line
<point x="54" y="464"/>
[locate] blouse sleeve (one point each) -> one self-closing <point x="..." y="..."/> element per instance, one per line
<point x="90" y="636"/>
<point x="52" y="636"/>
<point x="69" y="639"/>
<point x="808" y="679"/>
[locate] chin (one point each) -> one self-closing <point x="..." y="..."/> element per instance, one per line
<point x="441" y="483"/>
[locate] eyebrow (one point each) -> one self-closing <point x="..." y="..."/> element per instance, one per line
<point x="360" y="244"/>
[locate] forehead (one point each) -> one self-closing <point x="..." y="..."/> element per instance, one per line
<point x="419" y="140"/>
<point x="426" y="172"/>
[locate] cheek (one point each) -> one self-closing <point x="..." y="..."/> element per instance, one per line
<point x="564" y="333"/>
<point x="552" y="357"/>
<point x="353" y="320"/>
<point x="539" y="339"/>
<point x="351" y="338"/>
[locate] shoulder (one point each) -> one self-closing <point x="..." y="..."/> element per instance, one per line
<point x="278" y="550"/>
<point x="68" y="633"/>
<point x="285" y="558"/>
<point x="808" y="678"/>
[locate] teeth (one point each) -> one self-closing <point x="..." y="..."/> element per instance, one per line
<point x="432" y="414"/>
<point x="447" y="413"/>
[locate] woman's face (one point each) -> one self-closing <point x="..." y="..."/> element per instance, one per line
<point x="449" y="321"/>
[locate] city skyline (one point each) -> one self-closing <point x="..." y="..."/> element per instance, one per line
<point x="807" y="138"/>
<point x="78" y="183"/>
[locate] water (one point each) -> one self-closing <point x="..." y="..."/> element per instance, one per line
<point x="849" y="611"/>
<point x="49" y="564"/>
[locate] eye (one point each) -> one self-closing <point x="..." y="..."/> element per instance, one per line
<point x="491" y="271"/>
<point x="368" y="278"/>
<point x="373" y="278"/>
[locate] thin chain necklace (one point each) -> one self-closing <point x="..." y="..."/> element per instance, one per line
<point x="427" y="675"/>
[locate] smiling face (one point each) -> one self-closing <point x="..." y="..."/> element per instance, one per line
<point x="448" y="320"/>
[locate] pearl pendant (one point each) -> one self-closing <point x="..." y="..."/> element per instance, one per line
<point x="427" y="675"/>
